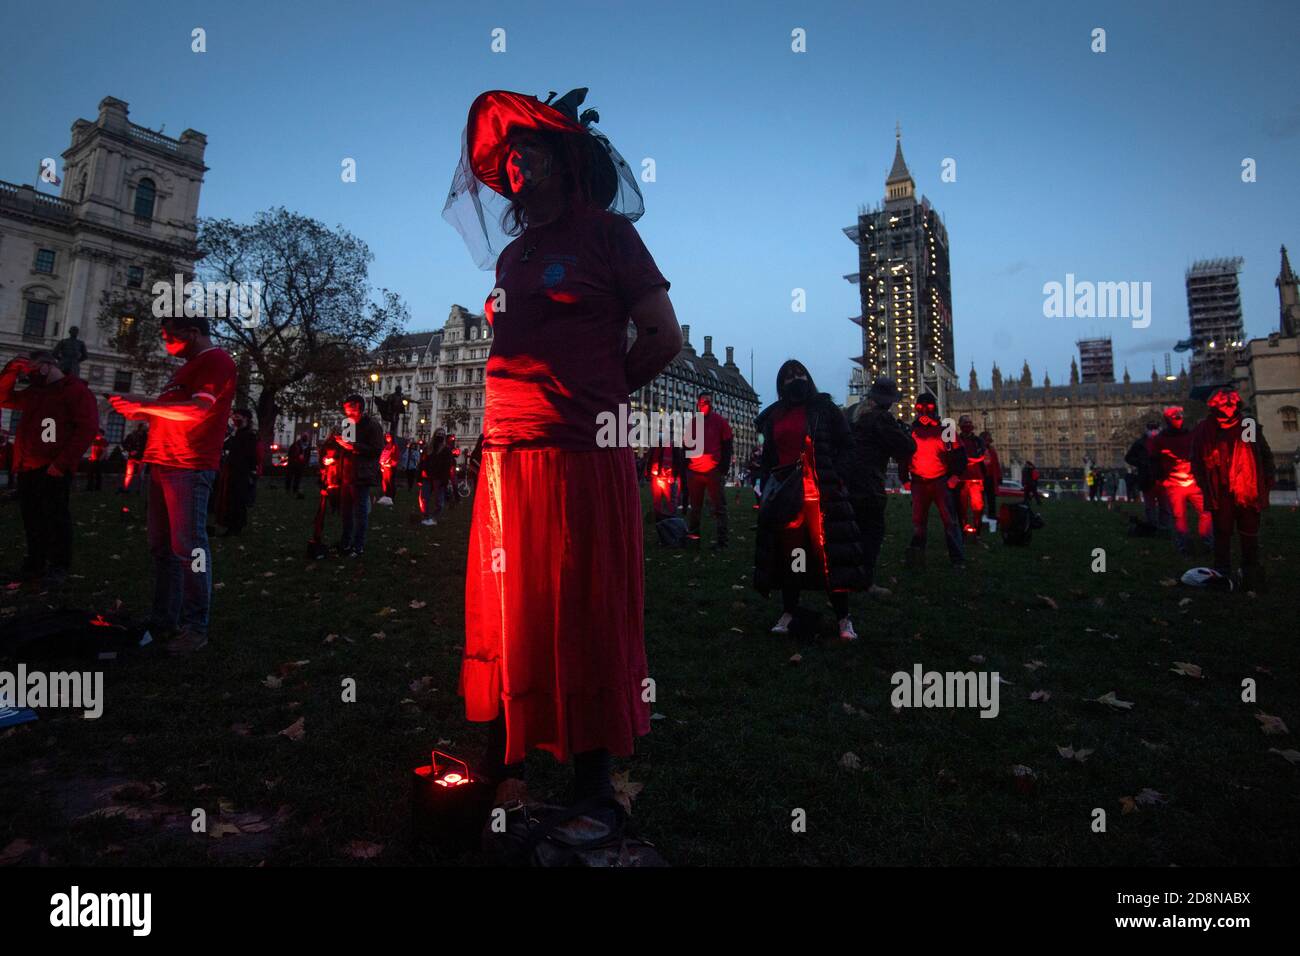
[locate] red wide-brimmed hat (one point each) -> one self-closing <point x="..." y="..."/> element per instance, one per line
<point x="479" y="193"/>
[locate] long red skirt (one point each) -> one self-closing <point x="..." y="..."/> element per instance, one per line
<point x="554" y="594"/>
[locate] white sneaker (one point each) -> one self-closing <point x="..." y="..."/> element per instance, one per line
<point x="428" y="521"/>
<point x="846" y="630"/>
<point x="385" y="500"/>
<point x="782" y="626"/>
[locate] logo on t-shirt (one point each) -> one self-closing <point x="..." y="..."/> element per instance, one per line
<point x="553" y="275"/>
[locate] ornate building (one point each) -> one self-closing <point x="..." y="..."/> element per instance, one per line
<point x="1060" y="428"/>
<point x="677" y="388"/>
<point x="1268" y="376"/>
<point x="129" y="195"/>
<point x="905" y="289"/>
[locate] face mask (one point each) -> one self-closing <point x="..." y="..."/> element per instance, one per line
<point x="797" y="390"/>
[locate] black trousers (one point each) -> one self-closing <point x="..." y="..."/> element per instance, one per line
<point x="293" y="477"/>
<point x="95" y="475"/>
<point x="698" y="483"/>
<point x="47" y="520"/>
<point x="869" y="513"/>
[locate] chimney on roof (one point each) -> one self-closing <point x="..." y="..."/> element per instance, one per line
<point x="708" y="346"/>
<point x="686" y="337"/>
<point x="731" y="353"/>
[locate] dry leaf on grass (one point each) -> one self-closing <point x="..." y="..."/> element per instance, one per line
<point x="1069" y="753"/>
<point x="1270" y="724"/>
<point x="363" y="850"/>
<point x="296" y="730"/>
<point x="1040" y="695"/>
<point x="1048" y="601"/>
<point x="1149" y="797"/>
<point x="977" y="658"/>
<point x="1291" y="756"/>
<point x="1186" y="669"/>
<point x="850" y="761"/>
<point x="1034" y="665"/>
<point x="272" y="682"/>
<point x="625" y="791"/>
<point x="1128" y="804"/>
<point x="1168" y="582"/>
<point x="416" y="605"/>
<point x="1111" y="700"/>
<point x="795" y="659"/>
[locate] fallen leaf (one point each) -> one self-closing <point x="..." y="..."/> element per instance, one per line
<point x="1048" y="601"/>
<point x="378" y="635"/>
<point x="1149" y="797"/>
<point x="1069" y="753"/>
<point x="296" y="730"/>
<point x="977" y="658"/>
<point x="1111" y="700"/>
<point x="1034" y="665"/>
<point x="416" y="605"/>
<point x="1186" y="669"/>
<point x="795" y="658"/>
<point x="361" y="850"/>
<point x="1270" y="724"/>
<point x="1168" y="583"/>
<point x="1291" y="756"/>
<point x="850" y="761"/>
<point x="272" y="682"/>
<point x="242" y="729"/>
<point x="1040" y="695"/>
<point x="625" y="791"/>
<point x="1128" y="804"/>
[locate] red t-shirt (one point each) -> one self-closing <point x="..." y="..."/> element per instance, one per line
<point x="196" y="445"/>
<point x="559" y="345"/>
<point x="788" y="433"/>
<point x="716" y="430"/>
<point x="929" y="461"/>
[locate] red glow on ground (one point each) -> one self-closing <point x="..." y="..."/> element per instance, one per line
<point x="98" y="621"/>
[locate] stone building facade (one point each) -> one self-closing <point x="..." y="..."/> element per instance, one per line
<point x="1063" y="428"/>
<point x="129" y="195"/>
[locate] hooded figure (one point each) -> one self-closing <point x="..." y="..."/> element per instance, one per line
<point x="1234" y="470"/>
<point x="554" y="654"/>
<point x="933" y="475"/>
<point x="815" y="543"/>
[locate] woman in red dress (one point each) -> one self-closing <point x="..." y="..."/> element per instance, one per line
<point x="554" y="644"/>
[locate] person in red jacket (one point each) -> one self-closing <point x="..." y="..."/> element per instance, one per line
<point x="59" y="420"/>
<point x="1173" y="464"/>
<point x="970" y="494"/>
<point x="1234" y="470"/>
<point x="707" y="471"/>
<point x="933" y="474"/>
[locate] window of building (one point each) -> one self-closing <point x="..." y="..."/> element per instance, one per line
<point x="145" y="192"/>
<point x="121" y="380"/>
<point x="96" y="374"/>
<point x="1062" y="414"/>
<point x="1117" y="412"/>
<point x="115" y="427"/>
<point x="1290" y="418"/>
<point x="1090" y="413"/>
<point x="45" y="261"/>
<point x="34" y="321"/>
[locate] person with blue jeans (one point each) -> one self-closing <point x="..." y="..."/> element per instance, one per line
<point x="187" y="428"/>
<point x="361" y="442"/>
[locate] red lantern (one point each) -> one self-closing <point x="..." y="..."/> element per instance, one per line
<point x="449" y="804"/>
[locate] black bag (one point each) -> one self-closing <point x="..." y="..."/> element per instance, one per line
<point x="672" y="531"/>
<point x="782" y="496"/>
<point x="53" y="635"/>
<point x="1016" y="524"/>
<point x="538" y="834"/>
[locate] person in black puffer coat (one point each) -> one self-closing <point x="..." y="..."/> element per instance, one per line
<point x="820" y="547"/>
<point x="877" y="436"/>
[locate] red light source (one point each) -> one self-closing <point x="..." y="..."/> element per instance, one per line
<point x="449" y="804"/>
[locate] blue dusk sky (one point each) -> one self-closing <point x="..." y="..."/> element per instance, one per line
<point x="1115" y="166"/>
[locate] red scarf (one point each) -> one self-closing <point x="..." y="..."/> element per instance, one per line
<point x="1243" y="472"/>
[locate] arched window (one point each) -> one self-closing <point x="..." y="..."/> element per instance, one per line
<point x="145" y="192"/>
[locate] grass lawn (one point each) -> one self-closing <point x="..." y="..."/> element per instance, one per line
<point x="744" y="735"/>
